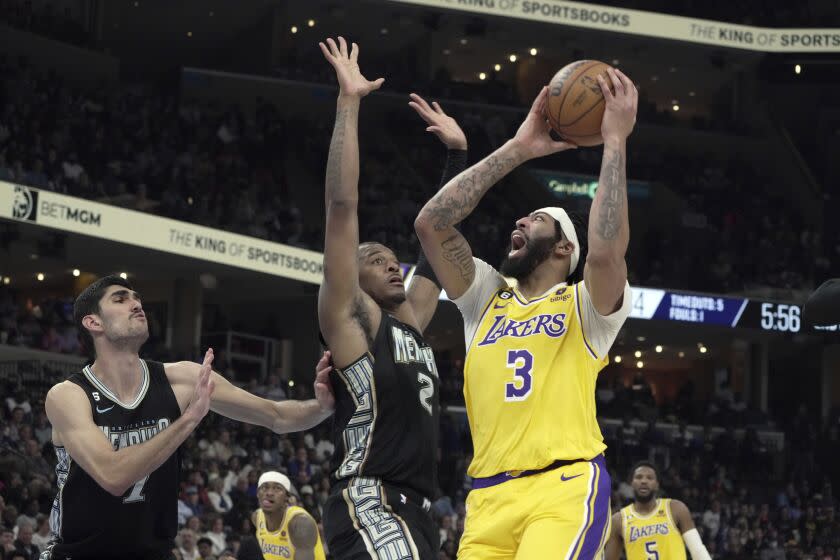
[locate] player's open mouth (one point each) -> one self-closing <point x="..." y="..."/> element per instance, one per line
<point x="267" y="503"/>
<point x="517" y="242"/>
<point x="395" y="280"/>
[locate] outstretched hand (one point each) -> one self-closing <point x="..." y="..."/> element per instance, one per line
<point x="534" y="134"/>
<point x="200" y="401"/>
<point x="323" y="387"/>
<point x="440" y="124"/>
<point x="350" y="79"/>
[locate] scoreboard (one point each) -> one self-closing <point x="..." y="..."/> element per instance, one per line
<point x="667" y="305"/>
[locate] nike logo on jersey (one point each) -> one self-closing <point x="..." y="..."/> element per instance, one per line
<point x="104" y="410"/>
<point x="564" y="478"/>
<point x="502" y="306"/>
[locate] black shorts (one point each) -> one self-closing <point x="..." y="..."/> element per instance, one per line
<point x="366" y="519"/>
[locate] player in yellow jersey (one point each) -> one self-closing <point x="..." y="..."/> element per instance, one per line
<point x="284" y="532"/>
<point x="540" y="486"/>
<point x="653" y="528"/>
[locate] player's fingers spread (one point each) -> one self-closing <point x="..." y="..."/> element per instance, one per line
<point x="437" y="107"/>
<point x="422" y="102"/>
<point x="326" y="51"/>
<point x="342" y="46"/>
<point x="354" y="52"/>
<point x="333" y="47"/>
<point x="377" y="83"/>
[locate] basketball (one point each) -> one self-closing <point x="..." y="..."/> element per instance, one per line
<point x="576" y="103"/>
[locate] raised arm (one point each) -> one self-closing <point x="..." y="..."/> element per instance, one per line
<point x="605" y="272"/>
<point x="615" y="544"/>
<point x="447" y="250"/>
<point x="340" y="291"/>
<point x="68" y="410"/>
<point x="424" y="290"/>
<point x="280" y="417"/>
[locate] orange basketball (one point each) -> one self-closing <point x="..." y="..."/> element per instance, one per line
<point x="576" y="103"/>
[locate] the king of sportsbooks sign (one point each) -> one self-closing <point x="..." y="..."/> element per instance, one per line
<point x="85" y="217"/>
<point x="650" y="24"/>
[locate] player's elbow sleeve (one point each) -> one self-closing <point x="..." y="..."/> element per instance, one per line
<point x="695" y="545"/>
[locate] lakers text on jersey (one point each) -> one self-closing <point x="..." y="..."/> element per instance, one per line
<point x="277" y="544"/>
<point x="652" y="536"/>
<point x="529" y="383"/>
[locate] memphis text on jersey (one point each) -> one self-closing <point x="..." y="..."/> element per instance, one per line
<point x="407" y="351"/>
<point x="648" y="531"/>
<point x="126" y="436"/>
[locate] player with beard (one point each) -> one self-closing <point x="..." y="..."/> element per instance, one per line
<point x="284" y="531"/>
<point x="118" y="424"/>
<point x="534" y="350"/>
<point x="653" y="527"/>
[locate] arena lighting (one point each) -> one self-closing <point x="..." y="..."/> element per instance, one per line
<point x="481" y="75"/>
<point x="497" y="67"/>
<point x="294" y="29"/>
<point x="658" y="348"/>
<point x="291" y="382"/>
<point x="617" y="359"/>
<point x="464" y="41"/>
<point x="675" y="107"/>
<point x="512" y="58"/>
<point x="672" y="69"/>
<point x="446" y="51"/>
<point x="703" y="349"/>
<point x="654" y="78"/>
<point x="311" y="23"/>
<point x="615" y="62"/>
<point x="638" y="353"/>
<point x="211" y="14"/>
<point x="691" y="94"/>
<point x="681" y="354"/>
<point x="40" y="277"/>
<point x="640" y="364"/>
<point x="533" y="52"/>
<point x="123" y="275"/>
<point x="384" y="30"/>
<point x="6" y="280"/>
<point x="641" y="338"/>
<point x="76" y="272"/>
<point x="189" y="33"/>
<point x="797" y="69"/>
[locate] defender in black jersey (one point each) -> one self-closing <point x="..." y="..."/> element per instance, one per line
<point x="118" y="424"/>
<point x="386" y="382"/>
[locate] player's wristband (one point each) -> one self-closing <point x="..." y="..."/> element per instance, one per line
<point x="424" y="269"/>
<point x="695" y="545"/>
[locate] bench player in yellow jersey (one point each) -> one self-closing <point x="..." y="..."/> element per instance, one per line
<point x="284" y="532"/>
<point x="540" y="486"/>
<point x="653" y="528"/>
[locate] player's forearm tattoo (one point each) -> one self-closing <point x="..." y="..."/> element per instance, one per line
<point x="457" y="251"/>
<point x="451" y="205"/>
<point x="612" y="194"/>
<point x="334" y="159"/>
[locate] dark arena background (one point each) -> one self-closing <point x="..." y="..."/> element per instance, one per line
<point x="183" y="144"/>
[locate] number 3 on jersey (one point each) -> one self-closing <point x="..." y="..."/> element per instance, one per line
<point x="522" y="362"/>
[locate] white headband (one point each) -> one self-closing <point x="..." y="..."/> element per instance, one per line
<point x="568" y="228"/>
<point x="274" y="476"/>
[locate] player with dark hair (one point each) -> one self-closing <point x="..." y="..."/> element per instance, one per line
<point x="386" y="381"/>
<point x="534" y="350"/>
<point x="653" y="527"/>
<point x="117" y="426"/>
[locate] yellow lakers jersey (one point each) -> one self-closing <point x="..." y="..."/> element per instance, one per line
<point x="529" y="383"/>
<point x="277" y="545"/>
<point x="654" y="536"/>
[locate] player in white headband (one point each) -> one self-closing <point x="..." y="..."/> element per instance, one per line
<point x="284" y="531"/>
<point x="534" y="351"/>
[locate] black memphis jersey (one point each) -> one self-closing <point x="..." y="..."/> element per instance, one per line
<point x="387" y="411"/>
<point x="89" y="523"/>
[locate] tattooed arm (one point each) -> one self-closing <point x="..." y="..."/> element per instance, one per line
<point x="448" y="250"/>
<point x="605" y="272"/>
<point x="340" y="297"/>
